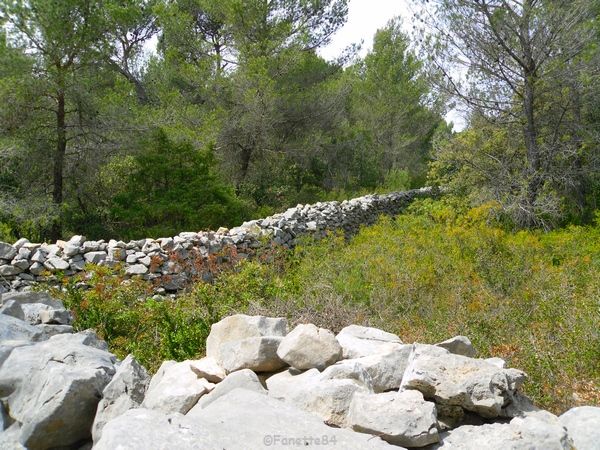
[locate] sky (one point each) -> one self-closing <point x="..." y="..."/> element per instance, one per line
<point x="365" y="17"/>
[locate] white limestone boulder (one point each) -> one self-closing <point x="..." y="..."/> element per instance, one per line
<point x="456" y="380"/>
<point x="307" y="347"/>
<point x="261" y="421"/>
<point x="531" y="433"/>
<point x="241" y="326"/>
<point x="358" y="341"/>
<point x="175" y="388"/>
<point x="142" y="429"/>
<point x="244" y="379"/>
<point x="459" y="345"/>
<point x="327" y="394"/>
<point x="125" y="391"/>
<point x="400" y="418"/>
<point x="208" y="368"/>
<point x="255" y="353"/>
<point x="385" y="369"/>
<point x="52" y="389"/>
<point x="583" y="425"/>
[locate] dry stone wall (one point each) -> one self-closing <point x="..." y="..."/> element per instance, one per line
<point x="171" y="262"/>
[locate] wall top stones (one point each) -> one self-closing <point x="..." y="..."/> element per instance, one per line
<point x="165" y="260"/>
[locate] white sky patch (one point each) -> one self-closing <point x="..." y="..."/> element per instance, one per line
<point x="365" y="17"/>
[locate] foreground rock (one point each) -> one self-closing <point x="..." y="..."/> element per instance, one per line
<point x="358" y="341"/>
<point x="327" y="394"/>
<point x="456" y="380"/>
<point x="583" y="426"/>
<point x="307" y="347"/>
<point x="385" y="369"/>
<point x="400" y="418"/>
<point x="175" y="388"/>
<point x="125" y="391"/>
<point x="531" y="433"/>
<point x="459" y="345"/>
<point x="52" y="389"/>
<point x="245" y="379"/>
<point x="141" y="429"/>
<point x="261" y="421"/>
<point x="246" y="342"/>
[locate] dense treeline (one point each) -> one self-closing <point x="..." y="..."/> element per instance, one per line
<point x="234" y="114"/>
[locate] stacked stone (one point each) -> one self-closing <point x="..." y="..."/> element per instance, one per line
<point x="171" y="261"/>
<point x="260" y="384"/>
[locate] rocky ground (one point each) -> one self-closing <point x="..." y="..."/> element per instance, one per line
<point x="264" y="386"/>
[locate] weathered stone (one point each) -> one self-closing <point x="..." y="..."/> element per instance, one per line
<point x="583" y="426"/>
<point x="125" y="391"/>
<point x="458" y="380"/>
<point x="14" y="329"/>
<point x="77" y="240"/>
<point x="256" y="353"/>
<point x="137" y="269"/>
<point x="459" y="345"/>
<point x="21" y="243"/>
<point x="308" y="346"/>
<point x="209" y="369"/>
<point x="240" y="326"/>
<point x="321" y="394"/>
<point x="529" y="433"/>
<point x="175" y="388"/>
<point x="385" y="369"/>
<point x="56" y="316"/>
<point x="140" y="429"/>
<point x="71" y="249"/>
<point x="55" y="264"/>
<point x="245" y="379"/>
<point x="7" y="251"/>
<point x="52" y="388"/>
<point x="95" y="257"/>
<point x="358" y="341"/>
<point x="400" y="418"/>
<point x="9" y="271"/>
<point x="261" y="421"/>
<point x="22" y="264"/>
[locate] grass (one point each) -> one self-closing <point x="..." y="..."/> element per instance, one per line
<point x="439" y="270"/>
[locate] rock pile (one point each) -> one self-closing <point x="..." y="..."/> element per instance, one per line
<point x="261" y="386"/>
<point x="171" y="261"/>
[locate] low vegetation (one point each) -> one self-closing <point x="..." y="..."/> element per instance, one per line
<point x="439" y="270"/>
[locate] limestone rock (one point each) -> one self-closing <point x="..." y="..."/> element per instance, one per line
<point x="52" y="388"/>
<point x="14" y="329"/>
<point x="240" y="326"/>
<point x="262" y="421"/>
<point x="459" y="345"/>
<point x="55" y="264"/>
<point x="385" y="369"/>
<point x="256" y="353"/>
<point x="244" y="379"/>
<point x="209" y="369"/>
<point x="400" y="418"/>
<point x="137" y="269"/>
<point x="175" y="388"/>
<point x="328" y="398"/>
<point x="125" y="391"/>
<point x="308" y="346"/>
<point x="141" y="429"/>
<point x="530" y="433"/>
<point x="458" y="380"/>
<point x="95" y="257"/>
<point x="583" y="425"/>
<point x="7" y="251"/>
<point x="358" y="341"/>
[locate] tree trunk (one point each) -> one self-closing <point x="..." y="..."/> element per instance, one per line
<point x="59" y="161"/>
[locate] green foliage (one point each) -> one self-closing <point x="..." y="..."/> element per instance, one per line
<point x="171" y="186"/>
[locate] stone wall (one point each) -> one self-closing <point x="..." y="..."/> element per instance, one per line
<point x="170" y="262"/>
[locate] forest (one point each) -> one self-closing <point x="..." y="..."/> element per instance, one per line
<point x="136" y="118"/>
